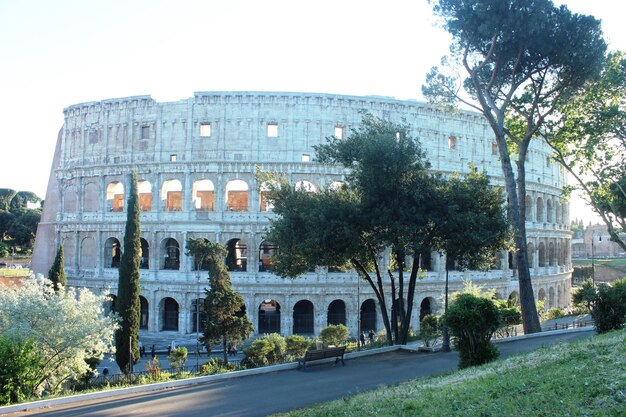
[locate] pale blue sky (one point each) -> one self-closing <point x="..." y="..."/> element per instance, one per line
<point x="57" y="53"/>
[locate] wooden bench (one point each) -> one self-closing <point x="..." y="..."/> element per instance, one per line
<point x="317" y="354"/>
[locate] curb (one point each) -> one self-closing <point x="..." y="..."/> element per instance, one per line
<point x="239" y="374"/>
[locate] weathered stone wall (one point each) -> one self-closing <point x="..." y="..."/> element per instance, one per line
<point x="171" y="149"/>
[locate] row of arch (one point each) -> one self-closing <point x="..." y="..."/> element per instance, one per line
<point x="170" y="251"/>
<point x="203" y="196"/>
<point x="550" y="254"/>
<point x="547" y="211"/>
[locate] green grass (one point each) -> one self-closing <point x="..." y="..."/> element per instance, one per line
<point x="585" y="378"/>
<point x="617" y="263"/>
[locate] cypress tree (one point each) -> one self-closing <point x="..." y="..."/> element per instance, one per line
<point x="127" y="302"/>
<point x="56" y="274"/>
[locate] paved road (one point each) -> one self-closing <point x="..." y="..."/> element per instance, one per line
<point x="265" y="394"/>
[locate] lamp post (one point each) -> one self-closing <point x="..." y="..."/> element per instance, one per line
<point x="445" y="344"/>
<point x="358" y="312"/>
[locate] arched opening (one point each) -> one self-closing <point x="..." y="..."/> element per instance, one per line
<point x="336" y="312"/>
<point x="69" y="199"/>
<point x="514" y="298"/>
<point x="368" y="316"/>
<point x="542" y="254"/>
<point x="169" y="314"/>
<point x="304" y="185"/>
<point x="549" y="210"/>
<point x="172" y="193"/>
<point x="303" y="317"/>
<point x="336" y="185"/>
<point x="539" y="209"/>
<point x="557" y="213"/>
<point x="198" y="315"/>
<point x="144" y="260"/>
<point x="426" y="307"/>
<point x="237" y="196"/>
<point x="115" y="196"/>
<point x="109" y="304"/>
<point x="542" y="297"/>
<point x="171" y="254"/>
<point x="269" y="317"/>
<point x="88" y="253"/>
<point x="112" y="253"/>
<point x="144" y="313"/>
<point x="144" y="192"/>
<point x="551" y="254"/>
<point x="266" y="251"/>
<point x="237" y="258"/>
<point x="203" y="195"/>
<point x="512" y="260"/>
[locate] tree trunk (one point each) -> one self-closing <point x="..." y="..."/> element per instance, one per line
<point x="406" y="323"/>
<point x="530" y="319"/>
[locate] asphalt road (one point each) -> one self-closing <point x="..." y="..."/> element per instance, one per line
<point x="260" y="395"/>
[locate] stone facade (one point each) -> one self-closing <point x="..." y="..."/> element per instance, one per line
<point x="196" y="160"/>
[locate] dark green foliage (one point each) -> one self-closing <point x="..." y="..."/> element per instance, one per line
<point x="606" y="303"/>
<point x="21" y="200"/>
<point x="24" y="226"/>
<point x="472" y="322"/>
<point x="269" y="350"/>
<point x="127" y="302"/>
<point x="387" y="201"/>
<point x="56" y="274"/>
<point x="334" y="334"/>
<point x="226" y="320"/>
<point x="296" y="345"/>
<point x="430" y="329"/>
<point x="6" y="195"/>
<point x="216" y="366"/>
<point x="585" y="295"/>
<point x="19" y="369"/>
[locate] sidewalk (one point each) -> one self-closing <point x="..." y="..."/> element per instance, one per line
<point x="275" y="389"/>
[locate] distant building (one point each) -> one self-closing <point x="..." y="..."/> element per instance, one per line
<point x="196" y="160"/>
<point x="602" y="246"/>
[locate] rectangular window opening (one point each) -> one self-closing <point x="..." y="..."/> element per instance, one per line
<point x="145" y="132"/>
<point x="272" y="130"/>
<point x="306" y="157"/>
<point x="339" y="132"/>
<point x="173" y="157"/>
<point x="205" y="130"/>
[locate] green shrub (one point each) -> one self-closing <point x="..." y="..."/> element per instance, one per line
<point x="555" y="313"/>
<point x="216" y="366"/>
<point x="177" y="358"/>
<point x="584" y="296"/>
<point x="609" y="307"/>
<point x="19" y="369"/>
<point x="256" y="354"/>
<point x="472" y="321"/>
<point x="334" y="334"/>
<point x="153" y="368"/>
<point x="430" y="330"/>
<point x="279" y="349"/>
<point x="296" y="346"/>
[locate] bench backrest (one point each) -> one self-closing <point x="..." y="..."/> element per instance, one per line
<point x="311" y="355"/>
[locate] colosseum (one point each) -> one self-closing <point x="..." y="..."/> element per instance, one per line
<point x="196" y="160"/>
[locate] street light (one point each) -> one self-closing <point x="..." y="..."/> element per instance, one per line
<point x="445" y="345"/>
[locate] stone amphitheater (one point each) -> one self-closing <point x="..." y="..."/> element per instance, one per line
<point x="196" y="160"/>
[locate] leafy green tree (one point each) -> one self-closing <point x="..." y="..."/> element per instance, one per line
<point x="6" y="219"/>
<point x="607" y="304"/>
<point x="225" y="310"/>
<point x="127" y="303"/>
<point x="473" y="321"/>
<point x="24" y="226"/>
<point x="334" y="334"/>
<point x="588" y="140"/>
<point x="296" y="346"/>
<point x="430" y="329"/>
<point x="21" y="199"/>
<point x="6" y="195"/>
<point x="56" y="274"/>
<point x="19" y="369"/>
<point x="585" y="295"/>
<point x="386" y="202"/>
<point x="472" y="226"/>
<point x="520" y="58"/>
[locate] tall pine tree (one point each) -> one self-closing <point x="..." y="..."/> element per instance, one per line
<point x="225" y="310"/>
<point x="127" y="302"/>
<point x="56" y="274"/>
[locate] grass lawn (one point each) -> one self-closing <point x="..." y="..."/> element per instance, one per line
<point x="5" y="272"/>
<point x="585" y="378"/>
<point x="617" y="263"/>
